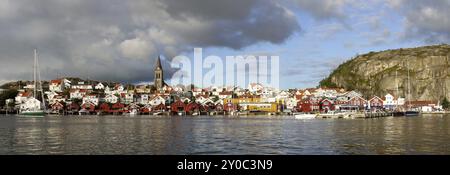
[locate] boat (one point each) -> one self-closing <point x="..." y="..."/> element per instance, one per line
<point x="33" y="113"/>
<point x="409" y="112"/>
<point x="33" y="107"/>
<point x="134" y="112"/>
<point x="412" y="113"/>
<point x="305" y="116"/>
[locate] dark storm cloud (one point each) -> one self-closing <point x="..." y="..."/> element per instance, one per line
<point x="118" y="40"/>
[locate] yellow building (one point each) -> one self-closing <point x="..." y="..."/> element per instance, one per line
<point x="259" y="106"/>
<point x="244" y="99"/>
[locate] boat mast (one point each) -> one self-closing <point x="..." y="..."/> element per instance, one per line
<point x="409" y="90"/>
<point x="398" y="95"/>
<point x="34" y="73"/>
<point x="40" y="83"/>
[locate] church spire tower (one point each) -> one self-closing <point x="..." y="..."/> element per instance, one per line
<point x="159" y="76"/>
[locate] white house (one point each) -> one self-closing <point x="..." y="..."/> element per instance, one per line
<point x="22" y="97"/>
<point x="118" y="89"/>
<point x="255" y="87"/>
<point x="127" y="98"/>
<point x="108" y="90"/>
<point x="51" y="94"/>
<point x="91" y="98"/>
<point x="390" y="101"/>
<point x="111" y="98"/>
<point x="99" y="86"/>
<point x="56" y="86"/>
<point x="197" y="91"/>
<point x="55" y="99"/>
<point x="290" y="103"/>
<point x="143" y="99"/>
<point x="77" y="93"/>
<point x="82" y="85"/>
<point x="157" y="100"/>
<point x="201" y="99"/>
<point x="225" y="94"/>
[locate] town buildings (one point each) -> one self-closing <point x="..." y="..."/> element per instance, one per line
<point x="114" y="98"/>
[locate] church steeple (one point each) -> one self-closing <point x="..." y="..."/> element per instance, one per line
<point x="159" y="75"/>
<point x="158" y="63"/>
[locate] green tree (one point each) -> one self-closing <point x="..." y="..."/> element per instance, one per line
<point x="445" y="103"/>
<point x="8" y="94"/>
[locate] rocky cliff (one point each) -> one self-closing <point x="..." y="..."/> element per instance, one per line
<point x="380" y="72"/>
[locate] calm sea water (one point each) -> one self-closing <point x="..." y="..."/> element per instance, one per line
<point x="221" y="135"/>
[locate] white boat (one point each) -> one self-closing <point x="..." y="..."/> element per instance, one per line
<point x="305" y="116"/>
<point x="133" y="112"/>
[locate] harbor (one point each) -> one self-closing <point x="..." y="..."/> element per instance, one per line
<point x="143" y="134"/>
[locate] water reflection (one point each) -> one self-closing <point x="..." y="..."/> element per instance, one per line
<point x="223" y="135"/>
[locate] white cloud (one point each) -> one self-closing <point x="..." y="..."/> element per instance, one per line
<point x="136" y="48"/>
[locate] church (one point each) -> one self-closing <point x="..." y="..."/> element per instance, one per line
<point x="159" y="75"/>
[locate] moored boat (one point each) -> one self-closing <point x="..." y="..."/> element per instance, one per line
<point x="305" y="116"/>
<point x="411" y="113"/>
<point x="34" y="107"/>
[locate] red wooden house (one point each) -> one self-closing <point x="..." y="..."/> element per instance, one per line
<point x="228" y="107"/>
<point x="357" y="103"/>
<point x="308" y="105"/>
<point x="304" y="106"/>
<point x="89" y="107"/>
<point x="146" y="109"/>
<point x="219" y="107"/>
<point x="178" y="106"/>
<point x="205" y="108"/>
<point x="160" y="107"/>
<point x="326" y="105"/>
<point x="192" y="107"/>
<point x="73" y="107"/>
<point x="57" y="107"/>
<point x="376" y="103"/>
<point x="117" y="108"/>
<point x="104" y="108"/>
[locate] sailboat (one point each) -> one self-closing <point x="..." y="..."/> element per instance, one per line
<point x="33" y="107"/>
<point x="409" y="112"/>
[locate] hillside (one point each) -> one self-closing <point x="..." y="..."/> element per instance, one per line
<point x="375" y="73"/>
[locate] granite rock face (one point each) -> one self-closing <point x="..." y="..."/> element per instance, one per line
<point x="377" y="73"/>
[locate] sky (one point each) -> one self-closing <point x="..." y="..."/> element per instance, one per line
<point x="118" y="40"/>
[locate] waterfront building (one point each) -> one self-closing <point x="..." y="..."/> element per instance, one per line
<point x="258" y="107"/>
<point x="375" y="103"/>
<point x="356" y="103"/>
<point x="326" y="105"/>
<point x="157" y="100"/>
<point x="423" y="105"/>
<point x="57" y="107"/>
<point x="178" y="106"/>
<point x="88" y="107"/>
